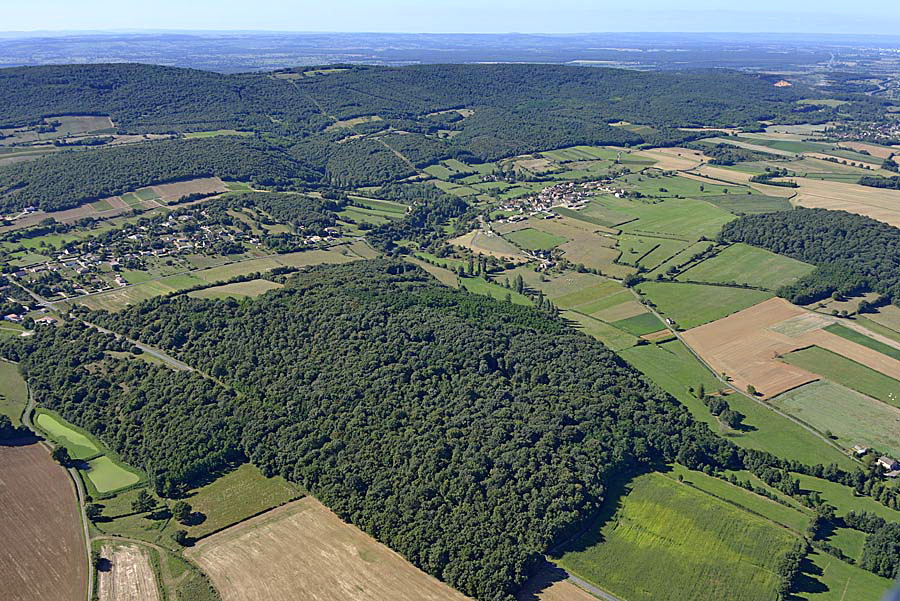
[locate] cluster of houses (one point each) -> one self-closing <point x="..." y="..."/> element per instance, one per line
<point x="890" y="466"/>
<point x="569" y="195"/>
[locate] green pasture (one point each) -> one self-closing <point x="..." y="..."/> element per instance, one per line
<point x="749" y="265"/>
<point x="234" y="497"/>
<point x="646" y="323"/>
<point x="749" y="204"/>
<point x="860" y="338"/>
<point x="251" y="289"/>
<point x="675" y="369"/>
<point x="79" y="444"/>
<point x="668" y="540"/>
<point x="107" y="476"/>
<point x="850" y="417"/>
<point x="13" y="392"/>
<point x="847" y="372"/>
<point x="692" y="305"/>
<point x="484" y="287"/>
<point x="534" y="239"/>
<point x="838" y="580"/>
<point x="609" y="335"/>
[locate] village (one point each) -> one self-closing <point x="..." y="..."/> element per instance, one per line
<point x="569" y="195"/>
<point x="158" y="246"/>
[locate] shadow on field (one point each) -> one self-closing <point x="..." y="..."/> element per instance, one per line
<point x="20" y="441"/>
<point x="807" y="581"/>
<point x="546" y="576"/>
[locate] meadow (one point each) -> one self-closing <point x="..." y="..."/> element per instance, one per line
<point x="847" y="373"/>
<point x="744" y="264"/>
<point x="534" y="239"/>
<point x="692" y="305"/>
<point x="670" y="540"/>
<point x="79" y="444"/>
<point x="850" y="417"/>
<point x="672" y="367"/>
<point x="860" y="338"/>
<point x="107" y="475"/>
<point x="233" y="497"/>
<point x="13" y="392"/>
<point x="251" y="289"/>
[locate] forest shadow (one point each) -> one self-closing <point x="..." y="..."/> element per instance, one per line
<point x="807" y="580"/>
<point x="589" y="532"/>
<point x="20" y="441"/>
<point x="546" y="576"/>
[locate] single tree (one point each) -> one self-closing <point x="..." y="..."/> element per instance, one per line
<point x="93" y="511"/>
<point x="61" y="455"/>
<point x="181" y="511"/>
<point x="144" y="502"/>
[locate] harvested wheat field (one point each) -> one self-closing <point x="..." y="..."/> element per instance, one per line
<point x="676" y="159"/>
<point x="175" y="190"/>
<point x="882" y="152"/>
<point x="129" y="576"/>
<point x="489" y="243"/>
<point x="877" y="203"/>
<point x="43" y="555"/>
<point x="550" y="585"/>
<point x="747" y="346"/>
<point x="742" y="346"/>
<point x="304" y="551"/>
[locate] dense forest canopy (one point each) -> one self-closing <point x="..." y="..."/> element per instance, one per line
<point x="70" y="179"/>
<point x="853" y="253"/>
<point x="405" y="123"/>
<point x="467" y="433"/>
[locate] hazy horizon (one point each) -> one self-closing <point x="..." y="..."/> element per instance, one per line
<point x="458" y="16"/>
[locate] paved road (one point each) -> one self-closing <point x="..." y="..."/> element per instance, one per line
<point x="583" y="584"/>
<point x="155" y="352"/>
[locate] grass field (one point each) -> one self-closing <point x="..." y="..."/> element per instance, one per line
<point x="844" y="498"/>
<point x="484" y="287"/>
<point x="691" y="305"/>
<point x="533" y="239"/>
<point x="749" y="265"/>
<point x="645" y="323"/>
<point x="612" y="337"/>
<point x="859" y="338"/>
<point x="851" y="417"/>
<point x="304" y="551"/>
<point x="670" y="541"/>
<point x="749" y="204"/>
<point x="80" y="445"/>
<point x="107" y="476"/>
<point x="672" y="367"/>
<point x="843" y="581"/>
<point x="685" y="217"/>
<point x="847" y="373"/>
<point x="13" y="392"/>
<point x="234" y="497"/>
<point x="43" y="556"/>
<point x="250" y="289"/>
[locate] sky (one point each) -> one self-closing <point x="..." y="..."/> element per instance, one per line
<point x="457" y="16"/>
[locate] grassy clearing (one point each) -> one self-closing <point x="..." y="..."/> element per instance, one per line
<point x="234" y="497"/>
<point x="251" y="289"/>
<point x="639" y="325"/>
<point x="611" y="336"/>
<point x="689" y="218"/>
<point x="692" y="305"/>
<point x="671" y="541"/>
<point x="844" y="498"/>
<point x="795" y="519"/>
<point x="850" y="417"/>
<point x="847" y="373"/>
<point x="484" y="287"/>
<point x="533" y="239"/>
<point x="217" y="132"/>
<point x="859" y="338"/>
<point x="13" y="392"/>
<point x="748" y="204"/>
<point x="107" y="476"/>
<point x="843" y="581"/>
<point x="79" y="444"/>
<point x="744" y="264"/>
<point x="672" y="367"/>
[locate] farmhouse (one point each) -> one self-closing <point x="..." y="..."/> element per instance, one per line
<point x="859" y="450"/>
<point x="890" y="465"/>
